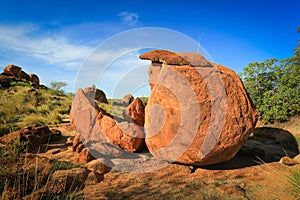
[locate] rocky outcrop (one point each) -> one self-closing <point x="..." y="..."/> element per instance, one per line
<point x="95" y="93"/>
<point x="13" y="73"/>
<point x="198" y="112"/>
<point x="127" y="99"/>
<point x="33" y="136"/>
<point x="95" y="126"/>
<point x="271" y="144"/>
<point x="135" y="112"/>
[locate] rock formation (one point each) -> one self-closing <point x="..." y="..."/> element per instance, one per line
<point x="13" y="73"/>
<point x="271" y="144"/>
<point x="198" y="112"/>
<point x="95" y="126"/>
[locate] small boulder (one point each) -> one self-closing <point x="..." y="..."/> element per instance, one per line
<point x="84" y="156"/>
<point x="288" y="161"/>
<point x="127" y="99"/>
<point x="100" y="165"/>
<point x="76" y="142"/>
<point x="96" y="94"/>
<point x="135" y="112"/>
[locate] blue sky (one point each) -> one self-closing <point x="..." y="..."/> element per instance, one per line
<point x="53" y="38"/>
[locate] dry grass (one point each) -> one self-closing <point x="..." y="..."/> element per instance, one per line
<point x="24" y="106"/>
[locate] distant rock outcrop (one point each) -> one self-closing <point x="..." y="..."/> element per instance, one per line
<point x="198" y="112"/>
<point x="13" y="73"/>
<point x="95" y="93"/>
<point x="127" y="99"/>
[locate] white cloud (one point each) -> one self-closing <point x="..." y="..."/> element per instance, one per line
<point x="129" y="17"/>
<point x="52" y="49"/>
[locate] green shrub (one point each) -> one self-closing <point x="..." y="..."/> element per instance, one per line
<point x="63" y="165"/>
<point x="20" y="83"/>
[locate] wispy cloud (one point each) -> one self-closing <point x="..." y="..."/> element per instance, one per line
<point x="129" y="17"/>
<point x="62" y="55"/>
<point x="52" y="49"/>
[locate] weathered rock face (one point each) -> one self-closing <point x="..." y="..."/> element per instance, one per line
<point x="34" y="79"/>
<point x="5" y="80"/>
<point x="95" y="93"/>
<point x="198" y="112"/>
<point x="95" y="126"/>
<point x="23" y="76"/>
<point x="12" y="70"/>
<point x="127" y="99"/>
<point x="136" y="112"/>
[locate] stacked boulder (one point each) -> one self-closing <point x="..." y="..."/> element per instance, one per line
<point x="13" y="73"/>
<point x="198" y="112"/>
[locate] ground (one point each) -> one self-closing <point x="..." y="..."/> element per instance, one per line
<point x="243" y="177"/>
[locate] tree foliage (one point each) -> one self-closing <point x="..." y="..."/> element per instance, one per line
<point x="57" y="86"/>
<point x="274" y="86"/>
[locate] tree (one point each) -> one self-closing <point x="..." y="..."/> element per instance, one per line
<point x="274" y="86"/>
<point x="57" y="86"/>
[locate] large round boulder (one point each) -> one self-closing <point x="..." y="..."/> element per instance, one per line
<point x="198" y="112"/>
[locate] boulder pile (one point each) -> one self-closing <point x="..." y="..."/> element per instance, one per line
<point x="198" y="113"/>
<point x="13" y="73"/>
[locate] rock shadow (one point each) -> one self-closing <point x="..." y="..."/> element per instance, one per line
<point x="265" y="145"/>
